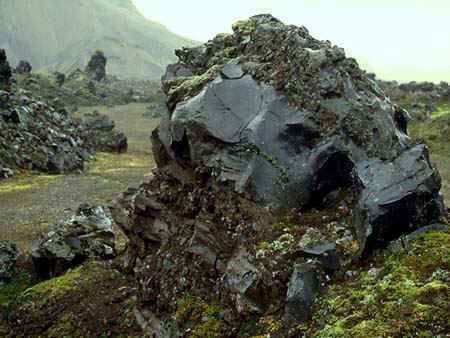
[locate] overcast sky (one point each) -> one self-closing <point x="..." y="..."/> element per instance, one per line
<point x="397" y="39"/>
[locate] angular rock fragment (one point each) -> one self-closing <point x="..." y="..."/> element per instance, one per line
<point x="303" y="289"/>
<point x="88" y="234"/>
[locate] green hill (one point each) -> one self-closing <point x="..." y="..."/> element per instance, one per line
<point x="62" y="34"/>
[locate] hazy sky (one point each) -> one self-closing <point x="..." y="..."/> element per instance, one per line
<point x="398" y="39"/>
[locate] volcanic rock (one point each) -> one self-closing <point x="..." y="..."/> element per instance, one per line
<point x="263" y="122"/>
<point x="87" y="234"/>
<point x="24" y="67"/>
<point x="5" y="71"/>
<point x="100" y="133"/>
<point x="96" y="67"/>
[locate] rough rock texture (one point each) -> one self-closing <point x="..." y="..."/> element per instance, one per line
<point x="279" y="162"/>
<point x="101" y="135"/>
<point x="36" y="136"/>
<point x="24" y="67"/>
<point x="5" y="70"/>
<point x="44" y="137"/>
<point x="96" y="67"/>
<point x="89" y="233"/>
<point x="9" y="254"/>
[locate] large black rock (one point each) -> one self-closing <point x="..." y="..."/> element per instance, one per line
<point x="263" y="122"/>
<point x="291" y="119"/>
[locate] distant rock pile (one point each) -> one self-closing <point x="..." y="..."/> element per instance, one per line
<point x="5" y="71"/>
<point x="37" y="136"/>
<point x="279" y="163"/>
<point x="24" y="67"/>
<point x="96" y="67"/>
<point x="420" y="98"/>
<point x="86" y="88"/>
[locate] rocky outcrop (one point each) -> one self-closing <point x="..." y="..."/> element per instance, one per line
<point x="96" y="67"/>
<point x="279" y="163"/>
<point x="5" y="71"/>
<point x="87" y="234"/>
<point x="24" y="67"/>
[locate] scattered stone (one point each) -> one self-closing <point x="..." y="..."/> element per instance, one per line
<point x="303" y="288"/>
<point x="87" y="234"/>
<point x="9" y="254"/>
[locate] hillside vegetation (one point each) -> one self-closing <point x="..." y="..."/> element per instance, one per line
<point x="72" y="30"/>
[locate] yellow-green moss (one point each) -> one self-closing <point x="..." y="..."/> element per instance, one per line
<point x="198" y="319"/>
<point x="405" y="295"/>
<point x="26" y="182"/>
<point x="184" y="87"/>
<point x="85" y="302"/>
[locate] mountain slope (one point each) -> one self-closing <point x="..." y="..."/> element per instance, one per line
<point x="61" y="34"/>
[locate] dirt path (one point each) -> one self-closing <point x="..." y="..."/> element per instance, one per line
<point x="30" y="202"/>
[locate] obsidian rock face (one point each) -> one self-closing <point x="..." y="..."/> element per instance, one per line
<point x="295" y="126"/>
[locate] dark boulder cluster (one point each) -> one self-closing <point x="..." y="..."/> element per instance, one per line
<point x="420" y="98"/>
<point x="279" y="163"/>
<point x="5" y="71"/>
<point x="87" y="234"/>
<point x="37" y="136"/>
<point x="96" y="67"/>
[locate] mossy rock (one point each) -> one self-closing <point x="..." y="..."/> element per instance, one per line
<point x="93" y="300"/>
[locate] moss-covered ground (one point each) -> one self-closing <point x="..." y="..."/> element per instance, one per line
<point x="435" y="132"/>
<point x="30" y="202"/>
<point x="401" y="295"/>
<point x="93" y="300"/>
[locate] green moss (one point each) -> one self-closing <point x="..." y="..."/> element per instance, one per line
<point x="198" y="319"/>
<point x="184" y="87"/>
<point x="244" y="27"/>
<point x="407" y="295"/>
<point x="85" y="302"/>
<point x="18" y="284"/>
<point x="56" y="286"/>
